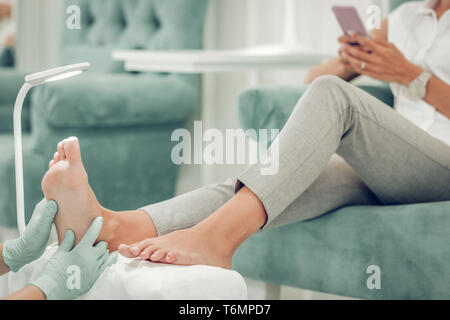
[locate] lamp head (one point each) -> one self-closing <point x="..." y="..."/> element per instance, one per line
<point x="56" y="74"/>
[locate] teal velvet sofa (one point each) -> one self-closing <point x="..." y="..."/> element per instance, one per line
<point x="334" y="253"/>
<point x="7" y="58"/>
<point x="124" y="120"/>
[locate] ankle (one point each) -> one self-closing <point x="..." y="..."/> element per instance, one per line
<point x="235" y="222"/>
<point x="218" y="238"/>
<point x="110" y="226"/>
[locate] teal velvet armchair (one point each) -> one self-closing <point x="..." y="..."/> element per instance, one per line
<point x="334" y="253"/>
<point x="124" y="120"/>
<point x="410" y="243"/>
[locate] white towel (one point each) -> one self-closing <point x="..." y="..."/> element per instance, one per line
<point x="143" y="280"/>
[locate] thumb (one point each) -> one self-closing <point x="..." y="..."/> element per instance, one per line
<point x="50" y="210"/>
<point x="68" y="242"/>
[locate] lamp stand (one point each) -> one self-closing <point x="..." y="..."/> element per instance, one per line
<point x="18" y="155"/>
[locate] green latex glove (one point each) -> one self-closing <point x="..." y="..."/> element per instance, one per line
<point x="31" y="244"/>
<point x="70" y="273"/>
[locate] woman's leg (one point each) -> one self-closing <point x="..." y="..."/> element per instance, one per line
<point x="66" y="182"/>
<point x="398" y="161"/>
<point x="338" y="185"/>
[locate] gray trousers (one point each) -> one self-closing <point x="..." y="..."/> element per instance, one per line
<point x="340" y="146"/>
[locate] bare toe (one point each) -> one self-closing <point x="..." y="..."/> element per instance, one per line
<point x="158" y="255"/>
<point x="171" y="257"/>
<point x="56" y="157"/>
<point x="147" y="252"/>
<point x="125" y="251"/>
<point x="51" y="163"/>
<point x="71" y="148"/>
<point x="136" y="248"/>
<point x="62" y="154"/>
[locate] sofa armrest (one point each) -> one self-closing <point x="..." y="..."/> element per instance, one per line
<point x="7" y="58"/>
<point x="10" y="82"/>
<point x="269" y="107"/>
<point x="115" y="100"/>
<point x="381" y="91"/>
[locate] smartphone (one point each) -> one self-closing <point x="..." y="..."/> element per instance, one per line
<point x="349" y="20"/>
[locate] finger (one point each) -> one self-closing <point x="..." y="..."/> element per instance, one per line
<point x="50" y="210"/>
<point x="369" y="67"/>
<point x="112" y="259"/>
<point x="92" y="233"/>
<point x="356" y="64"/>
<point x="345" y="39"/>
<point x="103" y="255"/>
<point x="45" y="207"/>
<point x="138" y="247"/>
<point x="369" y="70"/>
<point x="125" y="251"/>
<point x="68" y="242"/>
<point x="357" y="52"/>
<point x="102" y="245"/>
<point x="367" y="43"/>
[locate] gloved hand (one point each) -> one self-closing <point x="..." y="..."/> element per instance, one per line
<point x="31" y="244"/>
<point x="71" y="273"/>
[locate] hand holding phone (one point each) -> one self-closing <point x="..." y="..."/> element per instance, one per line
<point x="349" y="20"/>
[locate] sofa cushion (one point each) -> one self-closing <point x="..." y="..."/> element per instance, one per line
<point x="34" y="167"/>
<point x="131" y="24"/>
<point x="6" y="117"/>
<point x="11" y="80"/>
<point x="106" y="100"/>
<point x="7" y="58"/>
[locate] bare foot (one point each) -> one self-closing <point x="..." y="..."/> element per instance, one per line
<point x="212" y="241"/>
<point x="66" y="182"/>
<point x="191" y="246"/>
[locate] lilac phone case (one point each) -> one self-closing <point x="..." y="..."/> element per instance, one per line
<point x="349" y="20"/>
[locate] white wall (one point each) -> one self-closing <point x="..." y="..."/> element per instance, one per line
<point x="238" y="23"/>
<point x="242" y="23"/>
<point x="231" y="24"/>
<point x="38" y="33"/>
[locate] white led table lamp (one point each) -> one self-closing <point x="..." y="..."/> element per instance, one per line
<point x="34" y="80"/>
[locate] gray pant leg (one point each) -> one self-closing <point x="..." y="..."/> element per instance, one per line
<point x="190" y="208"/>
<point x="337" y="186"/>
<point x="398" y="161"/>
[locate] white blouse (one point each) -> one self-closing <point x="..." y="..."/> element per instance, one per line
<point x="425" y="41"/>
